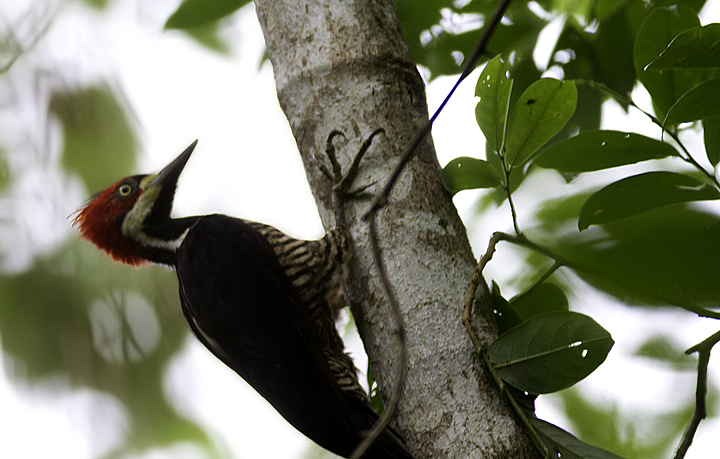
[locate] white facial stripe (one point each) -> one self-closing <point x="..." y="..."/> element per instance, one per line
<point x="133" y="223"/>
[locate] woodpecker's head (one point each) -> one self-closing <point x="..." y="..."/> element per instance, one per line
<point x="130" y="220"/>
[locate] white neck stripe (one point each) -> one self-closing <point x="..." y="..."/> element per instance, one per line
<point x="172" y="245"/>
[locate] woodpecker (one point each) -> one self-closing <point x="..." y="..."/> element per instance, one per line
<point x="262" y="302"/>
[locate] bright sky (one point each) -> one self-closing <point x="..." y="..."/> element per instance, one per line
<point x="179" y="93"/>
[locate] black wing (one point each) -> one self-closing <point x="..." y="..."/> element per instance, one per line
<point x="242" y="306"/>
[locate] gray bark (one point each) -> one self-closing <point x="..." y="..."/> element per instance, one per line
<point x="342" y="65"/>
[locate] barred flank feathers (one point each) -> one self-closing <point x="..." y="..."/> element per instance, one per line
<point x="315" y="269"/>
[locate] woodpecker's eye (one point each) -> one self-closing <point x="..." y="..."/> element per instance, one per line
<point x="125" y="190"/>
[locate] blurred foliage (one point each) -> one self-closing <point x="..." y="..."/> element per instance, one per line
<point x="632" y="432"/>
<point x="100" y="141"/>
<point x="664" y="256"/>
<point x="98" y="4"/>
<point x="200" y="19"/>
<point x="208" y="36"/>
<point x="194" y="13"/>
<point x="4" y="170"/>
<point x="614" y="430"/>
<point x="665" y="350"/>
<point x="73" y="315"/>
<point x="85" y="324"/>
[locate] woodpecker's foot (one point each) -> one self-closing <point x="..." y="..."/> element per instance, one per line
<point x="342" y="182"/>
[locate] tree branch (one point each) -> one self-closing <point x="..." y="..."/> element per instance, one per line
<point x="703" y="349"/>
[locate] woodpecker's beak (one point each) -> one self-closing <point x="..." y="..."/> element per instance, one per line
<point x="160" y="192"/>
<point x="171" y="172"/>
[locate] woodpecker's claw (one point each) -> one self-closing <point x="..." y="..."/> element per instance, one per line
<point x="342" y="182"/>
<point x="335" y="175"/>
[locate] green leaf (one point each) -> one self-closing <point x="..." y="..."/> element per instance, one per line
<point x="505" y="315"/>
<point x="698" y="103"/>
<point x="193" y="13"/>
<point x="524" y="399"/>
<point x="659" y="28"/>
<point x="546" y="297"/>
<point x="565" y="445"/>
<point x="641" y="193"/>
<point x="540" y="113"/>
<point x="711" y="133"/>
<point x="550" y="352"/>
<point x="621" y="432"/>
<point x="698" y="47"/>
<point x="493" y="88"/>
<point x="596" y="150"/>
<point x="465" y="173"/>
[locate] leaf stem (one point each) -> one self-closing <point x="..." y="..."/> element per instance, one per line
<point x="508" y="192"/>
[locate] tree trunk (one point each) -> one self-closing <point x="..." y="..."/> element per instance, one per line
<point x="345" y="66"/>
